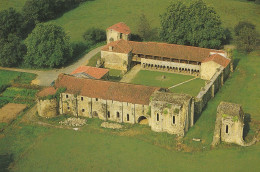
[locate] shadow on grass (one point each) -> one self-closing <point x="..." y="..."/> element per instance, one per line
<point x="115" y="78"/>
<point x="246" y="130"/>
<point x="5" y="161"/>
<point x="235" y="63"/>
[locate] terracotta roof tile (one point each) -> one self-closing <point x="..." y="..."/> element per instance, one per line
<point x="223" y="61"/>
<point x="92" y="71"/>
<point x="117" y="91"/>
<point x="175" y="51"/>
<point x="47" y="91"/>
<point x="120" y="27"/>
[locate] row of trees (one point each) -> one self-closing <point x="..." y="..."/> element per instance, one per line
<point x="196" y="24"/>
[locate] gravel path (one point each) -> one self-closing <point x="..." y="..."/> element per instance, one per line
<point x="45" y="78"/>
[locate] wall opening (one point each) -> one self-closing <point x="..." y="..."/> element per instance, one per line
<point x="173" y="119"/>
<point x="127" y="117"/>
<point x="157" y="117"/>
<point x="226" y="128"/>
<point x="142" y="120"/>
<point x="117" y="114"/>
<point x="108" y="114"/>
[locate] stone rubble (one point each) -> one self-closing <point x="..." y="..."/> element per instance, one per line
<point x="111" y="125"/>
<point x="74" y="122"/>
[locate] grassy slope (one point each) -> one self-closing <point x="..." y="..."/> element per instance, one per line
<point x="154" y="78"/>
<point x="104" y="13"/>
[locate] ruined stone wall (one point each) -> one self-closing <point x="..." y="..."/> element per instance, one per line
<point x="47" y="108"/>
<point x="99" y="108"/>
<point x="210" y="89"/>
<point x="68" y="104"/>
<point x="165" y="123"/>
<point x="117" y="61"/>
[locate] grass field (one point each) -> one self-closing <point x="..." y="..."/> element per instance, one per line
<point x="154" y="78"/>
<point x="115" y="75"/>
<point x="8" y="77"/>
<point x="93" y="61"/>
<point x="104" y="13"/>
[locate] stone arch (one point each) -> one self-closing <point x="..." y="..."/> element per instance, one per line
<point x="111" y="39"/>
<point x="142" y="120"/>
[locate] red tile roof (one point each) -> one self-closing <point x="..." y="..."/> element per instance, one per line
<point x="223" y="61"/>
<point x="175" y="51"/>
<point x="120" y="27"/>
<point x="47" y="91"/>
<point x="117" y="91"/>
<point x="92" y="71"/>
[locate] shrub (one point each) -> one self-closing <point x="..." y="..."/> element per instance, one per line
<point x="94" y="35"/>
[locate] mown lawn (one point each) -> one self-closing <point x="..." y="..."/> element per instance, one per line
<point x="155" y="78"/>
<point x="104" y="13"/>
<point x="93" y="61"/>
<point x="115" y="75"/>
<point x="35" y="148"/>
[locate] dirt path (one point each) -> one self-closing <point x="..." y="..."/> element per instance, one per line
<point x="131" y="74"/>
<point x="45" y="78"/>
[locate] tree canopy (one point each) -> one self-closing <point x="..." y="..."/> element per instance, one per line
<point x="47" y="46"/>
<point x="11" y="50"/>
<point x="11" y="22"/>
<point x="193" y="24"/>
<point x="144" y="28"/>
<point x="94" y="35"/>
<point x="246" y="36"/>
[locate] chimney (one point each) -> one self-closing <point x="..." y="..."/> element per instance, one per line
<point x="110" y="48"/>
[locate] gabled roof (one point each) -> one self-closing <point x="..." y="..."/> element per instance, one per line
<point x="92" y="71"/>
<point x="181" y="52"/>
<point x="47" y="91"/>
<point x="117" y="91"/>
<point x="221" y="60"/>
<point x="120" y="27"/>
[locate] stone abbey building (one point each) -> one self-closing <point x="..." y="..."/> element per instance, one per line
<point x="119" y="102"/>
<point x="129" y="103"/>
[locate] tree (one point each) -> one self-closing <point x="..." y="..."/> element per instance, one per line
<point x="192" y="24"/>
<point x="11" y="50"/>
<point x="94" y="35"/>
<point x="241" y="25"/>
<point x="11" y="22"/>
<point x="246" y="39"/>
<point x="47" y="46"/>
<point x="144" y="28"/>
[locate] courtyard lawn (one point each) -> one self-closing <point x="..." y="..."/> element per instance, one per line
<point x="104" y="13"/>
<point x="115" y="75"/>
<point x="155" y="78"/>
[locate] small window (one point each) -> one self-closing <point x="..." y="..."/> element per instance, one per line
<point x="68" y="108"/>
<point x="121" y="35"/>
<point x="127" y="117"/>
<point x="173" y="119"/>
<point x="67" y="96"/>
<point x="108" y="114"/>
<point x="82" y="99"/>
<point x="157" y="117"/>
<point x="96" y="99"/>
<point x="83" y="110"/>
<point x="226" y="128"/>
<point x="117" y="115"/>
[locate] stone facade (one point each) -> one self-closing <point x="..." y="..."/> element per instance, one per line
<point x="171" y="113"/>
<point x="229" y="124"/>
<point x="119" y="61"/>
<point x="47" y="108"/>
<point x="113" y="35"/>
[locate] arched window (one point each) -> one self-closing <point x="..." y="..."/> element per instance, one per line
<point x="127" y="117"/>
<point x="117" y="115"/>
<point x="157" y="116"/>
<point x="173" y="119"/>
<point x="108" y="114"/>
